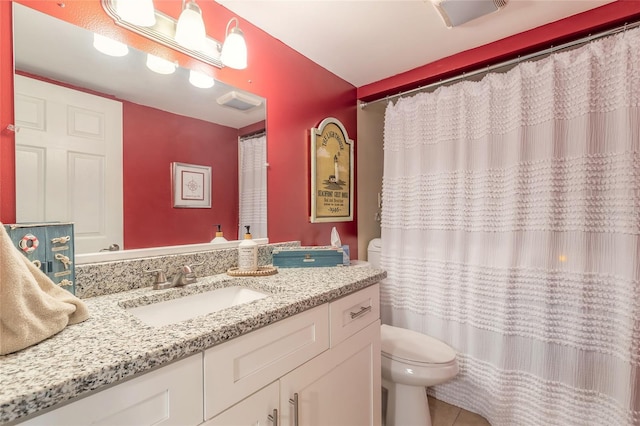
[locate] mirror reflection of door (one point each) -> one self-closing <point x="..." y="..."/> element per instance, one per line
<point x="69" y="161"/>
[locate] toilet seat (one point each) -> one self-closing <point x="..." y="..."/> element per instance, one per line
<point x="411" y="347"/>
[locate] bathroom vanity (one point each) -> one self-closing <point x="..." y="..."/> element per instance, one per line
<point x="308" y="353"/>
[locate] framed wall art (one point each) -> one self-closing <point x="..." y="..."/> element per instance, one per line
<point x="191" y="186"/>
<point x="331" y="173"/>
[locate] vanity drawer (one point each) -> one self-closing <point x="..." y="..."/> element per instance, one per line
<point x="170" y="395"/>
<point x="246" y="364"/>
<point x="354" y="312"/>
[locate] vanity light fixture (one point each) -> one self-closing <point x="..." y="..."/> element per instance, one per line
<point x="160" y="65"/>
<point x="137" y="12"/>
<point x="108" y="46"/>
<point x="234" y="49"/>
<point x="200" y="80"/>
<point x="183" y="34"/>
<point x="190" y="31"/>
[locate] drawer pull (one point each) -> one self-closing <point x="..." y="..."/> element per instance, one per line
<point x="294" y="401"/>
<point x="363" y="310"/>
<point x="273" y="418"/>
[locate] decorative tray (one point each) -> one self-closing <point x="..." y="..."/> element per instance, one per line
<point x="262" y="271"/>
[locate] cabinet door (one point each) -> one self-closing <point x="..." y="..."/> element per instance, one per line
<point x="340" y="387"/>
<point x="252" y="411"/>
<point x="242" y="366"/>
<point x="171" y="395"/>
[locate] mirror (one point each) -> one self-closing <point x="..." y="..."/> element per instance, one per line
<point x="188" y="125"/>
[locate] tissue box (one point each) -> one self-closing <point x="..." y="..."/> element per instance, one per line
<point x="307" y="257"/>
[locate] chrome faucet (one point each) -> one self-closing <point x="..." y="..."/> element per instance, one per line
<point x="185" y="276"/>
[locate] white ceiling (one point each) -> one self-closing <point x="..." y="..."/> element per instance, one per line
<point x="364" y="41"/>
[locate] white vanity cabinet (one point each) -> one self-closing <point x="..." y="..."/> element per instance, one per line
<point x="321" y="367"/>
<point x="168" y="396"/>
<point x="327" y="357"/>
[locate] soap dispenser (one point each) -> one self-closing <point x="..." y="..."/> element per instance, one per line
<point x="219" y="237"/>
<point x="248" y="253"/>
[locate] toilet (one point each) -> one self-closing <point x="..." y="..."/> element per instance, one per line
<point x="411" y="361"/>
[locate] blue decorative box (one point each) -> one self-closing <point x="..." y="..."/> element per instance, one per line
<point x="307" y="257"/>
<point x="50" y="247"/>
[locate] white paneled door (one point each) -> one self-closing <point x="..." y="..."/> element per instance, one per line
<point x="69" y="161"/>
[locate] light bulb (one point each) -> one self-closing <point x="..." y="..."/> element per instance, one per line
<point x="108" y="46"/>
<point x="234" y="49"/>
<point x="200" y="80"/>
<point x="190" y="31"/>
<point x="137" y="12"/>
<point x="160" y="65"/>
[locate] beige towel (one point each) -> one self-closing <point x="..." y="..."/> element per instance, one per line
<point x="32" y="307"/>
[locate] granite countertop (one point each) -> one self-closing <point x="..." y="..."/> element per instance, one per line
<point x="113" y="344"/>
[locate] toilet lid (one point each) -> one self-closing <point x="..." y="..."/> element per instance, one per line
<point x="410" y="346"/>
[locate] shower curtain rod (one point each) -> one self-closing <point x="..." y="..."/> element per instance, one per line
<point x="253" y="135"/>
<point x="514" y="61"/>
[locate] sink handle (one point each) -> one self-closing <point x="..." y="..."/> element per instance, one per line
<point x="160" y="281"/>
<point x="189" y="267"/>
<point x="188" y="273"/>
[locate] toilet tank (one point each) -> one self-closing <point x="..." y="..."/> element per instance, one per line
<point x="374" y="251"/>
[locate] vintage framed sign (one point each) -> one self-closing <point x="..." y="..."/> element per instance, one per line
<point x="331" y="173"/>
<point x="191" y="186"/>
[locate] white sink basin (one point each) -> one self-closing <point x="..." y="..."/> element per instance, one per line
<point x="187" y="307"/>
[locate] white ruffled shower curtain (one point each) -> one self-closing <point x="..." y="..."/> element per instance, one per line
<point x="253" y="185"/>
<point x="510" y="230"/>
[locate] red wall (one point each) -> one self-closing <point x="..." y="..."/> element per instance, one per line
<point x="150" y="219"/>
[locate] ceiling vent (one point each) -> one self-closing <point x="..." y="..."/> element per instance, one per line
<point x="239" y="100"/>
<point x="457" y="12"/>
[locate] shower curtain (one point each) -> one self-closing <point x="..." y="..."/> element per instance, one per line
<point x="253" y="185"/>
<point x="510" y="230"/>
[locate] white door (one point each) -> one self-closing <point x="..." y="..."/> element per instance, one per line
<point x="69" y="161"/>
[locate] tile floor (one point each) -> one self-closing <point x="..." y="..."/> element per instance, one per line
<point x="443" y="414"/>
